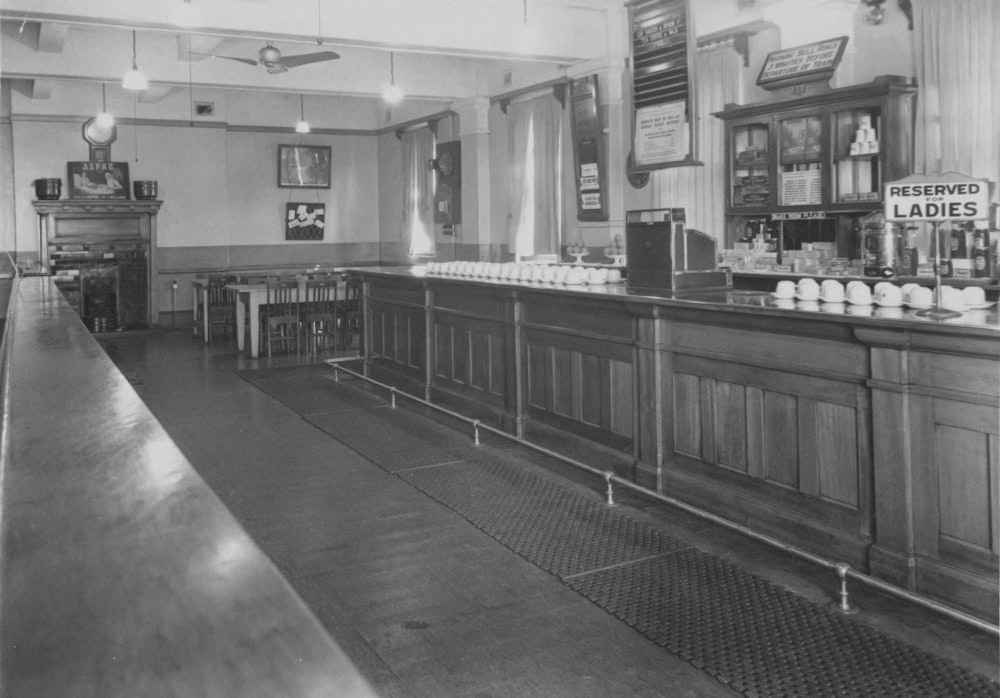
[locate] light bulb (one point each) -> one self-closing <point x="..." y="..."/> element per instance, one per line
<point x="134" y="80"/>
<point x="392" y="94"/>
<point x="104" y="120"/>
<point x="302" y="126"/>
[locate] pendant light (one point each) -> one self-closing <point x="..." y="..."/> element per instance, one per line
<point x="392" y="94"/>
<point x="134" y="80"/>
<point x="104" y="119"/>
<point x="303" y="125"/>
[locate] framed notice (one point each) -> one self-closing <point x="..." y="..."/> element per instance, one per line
<point x="98" y="180"/>
<point x="663" y="84"/>
<point x="304" y="166"/>
<point x="305" y="221"/>
<point x="588" y="150"/>
<point x="801" y="64"/>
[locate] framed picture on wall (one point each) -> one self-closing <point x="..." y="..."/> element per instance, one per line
<point x="304" y="166"/>
<point x="304" y="221"/>
<point x="98" y="180"/>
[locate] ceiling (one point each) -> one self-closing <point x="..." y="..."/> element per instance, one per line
<point x="442" y="51"/>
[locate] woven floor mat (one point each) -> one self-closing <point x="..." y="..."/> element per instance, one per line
<point x="755" y="636"/>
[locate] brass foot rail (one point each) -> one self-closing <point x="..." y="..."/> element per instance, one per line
<point x="843" y="570"/>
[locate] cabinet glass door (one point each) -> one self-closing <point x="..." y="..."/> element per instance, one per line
<point x="857" y="177"/>
<point x="800" y="163"/>
<point x="751" y="186"/>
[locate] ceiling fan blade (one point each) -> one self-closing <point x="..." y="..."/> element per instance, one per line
<point x="273" y="68"/>
<point x="306" y="58"/>
<point x="248" y="61"/>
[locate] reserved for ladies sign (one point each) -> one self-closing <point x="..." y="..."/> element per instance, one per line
<point x="949" y="196"/>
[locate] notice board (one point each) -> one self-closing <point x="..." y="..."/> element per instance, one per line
<point x="588" y="150"/>
<point x="663" y="84"/>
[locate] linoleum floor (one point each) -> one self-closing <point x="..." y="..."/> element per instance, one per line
<point x="424" y="602"/>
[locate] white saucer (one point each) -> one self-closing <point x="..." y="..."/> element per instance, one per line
<point x="921" y="306"/>
<point x="840" y="302"/>
<point x="858" y="302"/>
<point x="784" y="298"/>
<point x="889" y="305"/>
<point x="798" y="297"/>
<point x="979" y="306"/>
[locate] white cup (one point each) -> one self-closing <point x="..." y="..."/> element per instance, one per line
<point x="907" y="290"/>
<point x="807" y="290"/>
<point x="974" y="295"/>
<point x="890" y="295"/>
<point x="831" y="291"/>
<point x="858" y="293"/>
<point x="952" y="298"/>
<point x="560" y="274"/>
<point x="614" y="276"/>
<point x="785" y="289"/>
<point x="921" y="297"/>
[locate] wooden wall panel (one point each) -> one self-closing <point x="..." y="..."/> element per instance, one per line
<point x="622" y="398"/>
<point x="594" y="390"/>
<point x="964" y="485"/>
<point x="538" y="372"/>
<point x="780" y="439"/>
<point x="442" y="351"/>
<point x="460" y="348"/>
<point x="731" y="426"/>
<point x="479" y="365"/>
<point x="687" y="415"/>
<point x="498" y="365"/>
<point x="837" y="453"/>
<point x="561" y="366"/>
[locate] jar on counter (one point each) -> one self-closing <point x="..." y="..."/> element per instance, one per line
<point x="881" y="246"/>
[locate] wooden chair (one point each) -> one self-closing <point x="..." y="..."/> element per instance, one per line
<point x="280" y="315"/>
<point x="319" y="314"/>
<point x="221" y="305"/>
<point x="349" y="312"/>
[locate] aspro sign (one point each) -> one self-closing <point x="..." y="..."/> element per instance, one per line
<point x="930" y="198"/>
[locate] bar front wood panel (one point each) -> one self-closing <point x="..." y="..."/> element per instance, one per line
<point x="865" y="441"/>
<point x="397" y="329"/>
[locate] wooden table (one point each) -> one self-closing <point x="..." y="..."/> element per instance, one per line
<point x="249" y="299"/>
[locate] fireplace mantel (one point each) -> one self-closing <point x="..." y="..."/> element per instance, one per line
<point x="66" y="226"/>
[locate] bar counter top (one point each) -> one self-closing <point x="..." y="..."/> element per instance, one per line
<point x="122" y="572"/>
<point x="981" y="322"/>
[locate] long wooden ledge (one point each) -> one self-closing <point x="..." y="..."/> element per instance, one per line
<point x="122" y="573"/>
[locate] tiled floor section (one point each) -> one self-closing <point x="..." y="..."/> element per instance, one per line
<point x="426" y="604"/>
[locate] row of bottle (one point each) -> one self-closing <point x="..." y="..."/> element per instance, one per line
<point x="888" y="249"/>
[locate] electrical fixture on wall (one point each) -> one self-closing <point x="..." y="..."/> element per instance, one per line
<point x="188" y="15"/>
<point x="875" y="11"/>
<point x="134" y="80"/>
<point x="392" y="94"/>
<point x="303" y="125"/>
<point x="104" y="119"/>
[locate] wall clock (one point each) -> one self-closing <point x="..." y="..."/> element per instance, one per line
<point x="99" y="138"/>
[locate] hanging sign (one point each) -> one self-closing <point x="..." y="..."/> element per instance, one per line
<point x="801" y="64"/>
<point x="937" y="197"/>
<point x="660" y="133"/>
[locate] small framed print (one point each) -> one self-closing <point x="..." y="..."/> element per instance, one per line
<point x="304" y="166"/>
<point x="304" y="221"/>
<point x="98" y="180"/>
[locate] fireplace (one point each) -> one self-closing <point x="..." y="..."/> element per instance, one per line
<point x="101" y="256"/>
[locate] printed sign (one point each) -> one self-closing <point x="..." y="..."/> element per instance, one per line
<point x="808" y="63"/>
<point x="660" y="133"/>
<point x="946" y="197"/>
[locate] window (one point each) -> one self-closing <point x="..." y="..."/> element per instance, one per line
<point x="418" y="191"/>
<point x="535" y="176"/>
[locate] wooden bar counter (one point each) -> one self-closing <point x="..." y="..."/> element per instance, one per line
<point x="865" y="435"/>
<point x="122" y="572"/>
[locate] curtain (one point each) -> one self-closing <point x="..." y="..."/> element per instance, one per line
<point x="701" y="191"/>
<point x="535" y="157"/>
<point x="418" y="191"/>
<point x="957" y="52"/>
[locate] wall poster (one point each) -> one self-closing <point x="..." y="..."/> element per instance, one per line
<point x="588" y="150"/>
<point x="663" y="84"/>
<point x="304" y="221"/>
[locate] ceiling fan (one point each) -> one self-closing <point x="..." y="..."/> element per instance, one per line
<point x="271" y="58"/>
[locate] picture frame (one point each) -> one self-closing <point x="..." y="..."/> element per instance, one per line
<point x="98" y="180"/>
<point x="304" y="221"/>
<point x="304" y="166"/>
